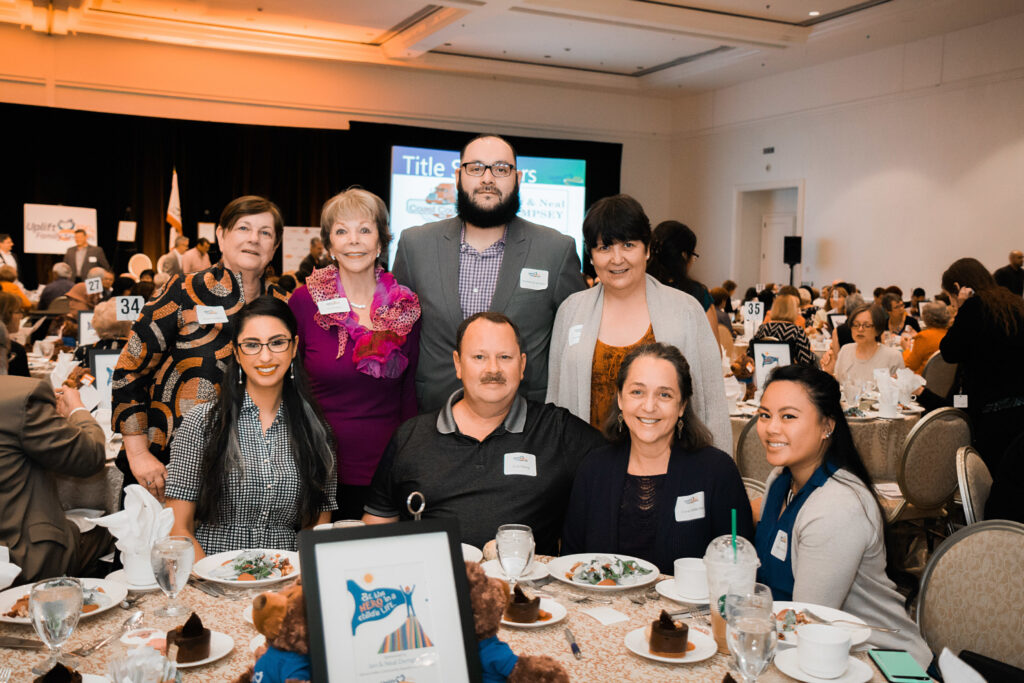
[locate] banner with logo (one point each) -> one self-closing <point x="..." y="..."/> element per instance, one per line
<point x="50" y="229"/>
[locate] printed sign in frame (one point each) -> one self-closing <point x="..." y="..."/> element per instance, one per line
<point x="392" y="602"/>
<point x="767" y="357"/>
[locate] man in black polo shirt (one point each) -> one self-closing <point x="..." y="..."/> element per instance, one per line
<point x="489" y="456"/>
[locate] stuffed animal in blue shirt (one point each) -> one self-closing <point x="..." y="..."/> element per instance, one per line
<point x="281" y="617"/>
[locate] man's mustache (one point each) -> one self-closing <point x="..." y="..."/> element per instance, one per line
<point x="492" y="378"/>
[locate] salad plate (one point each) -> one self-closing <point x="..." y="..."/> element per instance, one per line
<point x="99" y="595"/>
<point x="857" y="635"/>
<point x="603" y="571"/>
<point x="248" y="568"/>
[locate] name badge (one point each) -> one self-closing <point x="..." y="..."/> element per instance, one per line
<point x="94" y="285"/>
<point x="92" y="259"/>
<point x="531" y="278"/>
<point x="211" y="315"/>
<point x="338" y="305"/>
<point x="575" y="332"/>
<point x="960" y="400"/>
<point x="524" y="464"/>
<point x="781" y="546"/>
<point x="690" y="507"/>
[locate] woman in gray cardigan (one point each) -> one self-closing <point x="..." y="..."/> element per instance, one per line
<point x="594" y="329"/>
<point x="821" y="534"/>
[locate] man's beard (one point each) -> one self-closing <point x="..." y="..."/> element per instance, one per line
<point x="472" y="213"/>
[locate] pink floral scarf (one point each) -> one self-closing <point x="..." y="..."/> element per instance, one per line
<point x="395" y="309"/>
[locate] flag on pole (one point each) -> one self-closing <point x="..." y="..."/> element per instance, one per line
<point x="174" y="211"/>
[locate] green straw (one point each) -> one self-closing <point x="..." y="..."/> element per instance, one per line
<point x="734" y="558"/>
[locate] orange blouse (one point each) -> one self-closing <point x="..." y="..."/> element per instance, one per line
<point x="604" y="372"/>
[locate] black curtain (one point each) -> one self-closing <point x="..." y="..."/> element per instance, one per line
<point x="121" y="166"/>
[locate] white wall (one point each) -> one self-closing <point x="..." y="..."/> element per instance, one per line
<point x="913" y="156"/>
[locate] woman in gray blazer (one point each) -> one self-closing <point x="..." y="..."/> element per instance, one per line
<point x="596" y="328"/>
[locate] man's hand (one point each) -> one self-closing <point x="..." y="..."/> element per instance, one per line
<point x="68" y="399"/>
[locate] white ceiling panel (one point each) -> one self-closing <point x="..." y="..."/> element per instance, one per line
<point x="788" y="11"/>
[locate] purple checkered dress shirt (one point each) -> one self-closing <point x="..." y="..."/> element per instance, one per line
<point x="478" y="274"/>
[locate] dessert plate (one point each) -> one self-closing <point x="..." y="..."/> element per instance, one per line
<point x="212" y="568"/>
<point x="560" y="566"/>
<point x="113" y="593"/>
<point x="471" y="553"/>
<point x="493" y="569"/>
<point x="667" y="589"/>
<point x="557" y="611"/>
<point x="704" y="646"/>
<point x="120" y="576"/>
<point x="788" y="662"/>
<point x="857" y="635"/>
<point x="220" y="645"/>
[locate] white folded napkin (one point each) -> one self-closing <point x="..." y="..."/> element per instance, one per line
<point x="606" y="615"/>
<point x="888" y="395"/>
<point x="142" y="521"/>
<point x="955" y="669"/>
<point x="8" y="572"/>
<point x="889" y="490"/>
<point x="82" y="518"/>
<point x="907" y="383"/>
<point x="62" y="368"/>
<point x="734" y="391"/>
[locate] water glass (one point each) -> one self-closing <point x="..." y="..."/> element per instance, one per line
<point x="172" y="560"/>
<point x="750" y="630"/>
<point x="54" y="606"/>
<point x="515" y="550"/>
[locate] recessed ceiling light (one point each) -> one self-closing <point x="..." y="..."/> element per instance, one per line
<point x="814" y="13"/>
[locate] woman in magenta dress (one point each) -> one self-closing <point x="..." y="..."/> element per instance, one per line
<point x="359" y="338"/>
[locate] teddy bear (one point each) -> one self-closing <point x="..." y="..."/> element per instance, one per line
<point x="281" y="617"/>
<point x="489" y="597"/>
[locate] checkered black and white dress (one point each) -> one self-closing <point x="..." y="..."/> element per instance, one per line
<point x="258" y="505"/>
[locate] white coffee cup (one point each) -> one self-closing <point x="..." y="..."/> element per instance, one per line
<point x="691" y="577"/>
<point x="887" y="410"/>
<point x="823" y="651"/>
<point x="137" y="568"/>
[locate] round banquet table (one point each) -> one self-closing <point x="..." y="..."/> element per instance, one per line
<point x="879" y="442"/>
<point x="605" y="657"/>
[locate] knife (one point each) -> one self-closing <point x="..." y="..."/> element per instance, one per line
<point x="572" y="644"/>
<point x="23" y="643"/>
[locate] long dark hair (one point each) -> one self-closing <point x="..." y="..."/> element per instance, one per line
<point x="311" y="441"/>
<point x="695" y="435"/>
<point x="672" y="246"/>
<point x="1006" y="309"/>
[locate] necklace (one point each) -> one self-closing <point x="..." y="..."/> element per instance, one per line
<point x="353" y="304"/>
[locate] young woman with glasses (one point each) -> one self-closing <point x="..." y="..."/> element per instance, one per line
<point x="257" y="465"/>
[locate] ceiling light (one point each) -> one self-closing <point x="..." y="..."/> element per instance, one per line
<point x="814" y="13"/>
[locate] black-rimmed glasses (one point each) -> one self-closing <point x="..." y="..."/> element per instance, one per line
<point x="499" y="169"/>
<point x="276" y="345"/>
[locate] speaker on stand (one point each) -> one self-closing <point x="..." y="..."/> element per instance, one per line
<point x="791" y="248"/>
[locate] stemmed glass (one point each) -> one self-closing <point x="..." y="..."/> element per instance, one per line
<point x="750" y="630"/>
<point x="172" y="560"/>
<point x="55" y="606"/>
<point x="515" y="550"/>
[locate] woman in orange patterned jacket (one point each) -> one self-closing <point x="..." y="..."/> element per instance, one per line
<point x="179" y="346"/>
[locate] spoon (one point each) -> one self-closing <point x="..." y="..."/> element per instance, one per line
<point x="132" y="622"/>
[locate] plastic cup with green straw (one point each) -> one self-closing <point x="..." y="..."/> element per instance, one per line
<point x="734" y="557"/>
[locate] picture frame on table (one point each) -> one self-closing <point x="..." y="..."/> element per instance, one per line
<point x="836" y="319"/>
<point x="86" y="332"/>
<point x="101" y="364"/>
<point x="767" y="357"/>
<point x="389" y="602"/>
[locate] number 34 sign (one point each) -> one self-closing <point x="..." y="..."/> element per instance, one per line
<point x="128" y="307"/>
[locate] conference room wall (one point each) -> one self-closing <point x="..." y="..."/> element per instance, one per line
<point x="912" y="157"/>
<point x="134" y="77"/>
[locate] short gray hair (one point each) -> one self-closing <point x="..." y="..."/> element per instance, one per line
<point x="936" y="314"/>
<point x="105" y="322"/>
<point x="62" y="270"/>
<point x="98" y="271"/>
<point x="180" y="239"/>
<point x="853" y="301"/>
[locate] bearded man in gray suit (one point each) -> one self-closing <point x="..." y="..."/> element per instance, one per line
<point x="485" y="259"/>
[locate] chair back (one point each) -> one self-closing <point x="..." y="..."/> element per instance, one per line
<point x="60" y="305"/>
<point x="927" y="471"/>
<point x="138" y="263"/>
<point x="938" y="374"/>
<point x="751" y="459"/>
<point x="755" y="488"/>
<point x="725" y="341"/>
<point x="974" y="481"/>
<point x="972" y="590"/>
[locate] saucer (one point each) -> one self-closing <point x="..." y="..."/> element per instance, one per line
<point x="121" y="577"/>
<point x="788" y="662"/>
<point x="667" y="589"/>
<point x="220" y="645"/>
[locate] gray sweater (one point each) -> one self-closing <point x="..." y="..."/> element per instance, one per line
<point x="838" y="554"/>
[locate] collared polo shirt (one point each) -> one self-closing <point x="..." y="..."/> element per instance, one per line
<point x="521" y="473"/>
<point x="478" y="273"/>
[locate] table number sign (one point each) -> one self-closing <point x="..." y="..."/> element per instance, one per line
<point x="754" y="312"/>
<point x="128" y="307"/>
<point x="93" y="285"/>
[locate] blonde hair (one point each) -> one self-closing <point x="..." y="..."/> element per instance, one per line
<point x="355" y="201"/>
<point x="786" y="307"/>
<point x="105" y="322"/>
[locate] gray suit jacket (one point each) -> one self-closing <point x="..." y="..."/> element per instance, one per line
<point x="94" y="257"/>
<point x="427" y="262"/>
<point x="35" y="442"/>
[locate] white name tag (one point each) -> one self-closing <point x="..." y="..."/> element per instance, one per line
<point x="575" y="332"/>
<point x="531" y="278"/>
<point x="211" y="315"/>
<point x="781" y="545"/>
<point x="339" y="305"/>
<point x="960" y="400"/>
<point x="92" y="259"/>
<point x="521" y="463"/>
<point x="128" y="307"/>
<point x="690" y="507"/>
<point x="94" y="285"/>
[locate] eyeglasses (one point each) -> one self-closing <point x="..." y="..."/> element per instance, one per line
<point x="862" y="326"/>
<point x="276" y="345"/>
<point x="499" y="169"/>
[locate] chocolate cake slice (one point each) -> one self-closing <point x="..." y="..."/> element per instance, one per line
<point x="522" y="609"/>
<point x="192" y="639"/>
<point x="60" y="674"/>
<point x="668" y="638"/>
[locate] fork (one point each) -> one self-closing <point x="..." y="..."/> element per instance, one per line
<point x="815" y="618"/>
<point x="696" y="615"/>
<point x="5" y="674"/>
<point x="581" y="599"/>
<point x="637" y="599"/>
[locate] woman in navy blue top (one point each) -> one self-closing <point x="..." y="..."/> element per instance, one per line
<point x="661" y="491"/>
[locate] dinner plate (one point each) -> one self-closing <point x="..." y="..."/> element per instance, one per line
<point x="857" y="635"/>
<point x="704" y="646"/>
<point x="560" y="566"/>
<point x="220" y="645"/>
<point x="113" y="591"/>
<point x="912" y="409"/>
<point x="667" y="588"/>
<point x="257" y="642"/>
<point x="557" y="611"/>
<point x="788" y="662"/>
<point x="493" y="569"/>
<point x="247" y="615"/>
<point x="206" y="567"/>
<point x="471" y="553"/>
<point x="120" y="576"/>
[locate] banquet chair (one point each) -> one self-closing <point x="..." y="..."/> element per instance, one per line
<point x="974" y="482"/>
<point x="972" y="591"/>
<point x="751" y="459"/>
<point x="938" y="374"/>
<point x="755" y="488"/>
<point x="138" y="263"/>
<point x="725" y="341"/>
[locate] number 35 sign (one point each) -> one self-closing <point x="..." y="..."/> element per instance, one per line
<point x="128" y="307"/>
